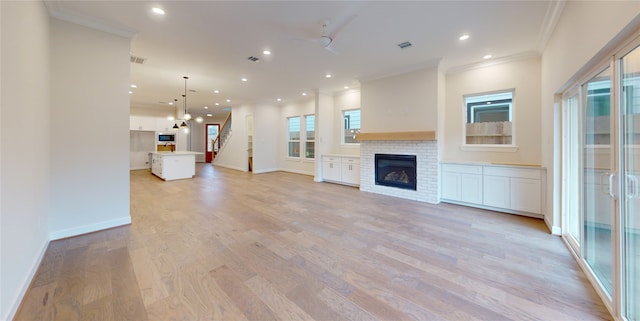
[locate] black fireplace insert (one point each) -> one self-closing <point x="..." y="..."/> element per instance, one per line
<point x="396" y="171"/>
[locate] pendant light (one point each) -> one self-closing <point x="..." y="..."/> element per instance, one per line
<point x="187" y="116"/>
<point x="184" y="120"/>
<point x="175" y="125"/>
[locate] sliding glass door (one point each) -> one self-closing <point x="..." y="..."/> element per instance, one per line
<point x="598" y="180"/>
<point x="601" y="200"/>
<point x="630" y="175"/>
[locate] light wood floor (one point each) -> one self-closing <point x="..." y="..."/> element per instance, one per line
<point x="228" y="245"/>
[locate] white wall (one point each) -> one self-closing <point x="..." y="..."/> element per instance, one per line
<point x="89" y="130"/>
<point x="234" y="152"/>
<point x="266" y="149"/>
<point x="294" y="109"/>
<point x="406" y="102"/>
<point x="524" y="76"/>
<point x="584" y="28"/>
<point x="24" y="156"/>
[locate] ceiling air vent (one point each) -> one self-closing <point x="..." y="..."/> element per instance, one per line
<point x="137" y="60"/>
<point x="254" y="59"/>
<point x="404" y="45"/>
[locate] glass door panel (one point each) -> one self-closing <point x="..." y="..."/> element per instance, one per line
<point x="597" y="182"/>
<point x="630" y="175"/>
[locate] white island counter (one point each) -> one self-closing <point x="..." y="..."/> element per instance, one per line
<point x="174" y="165"/>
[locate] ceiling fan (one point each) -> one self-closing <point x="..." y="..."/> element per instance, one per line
<point x="328" y="36"/>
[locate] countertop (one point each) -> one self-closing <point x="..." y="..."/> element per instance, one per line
<point x="176" y="153"/>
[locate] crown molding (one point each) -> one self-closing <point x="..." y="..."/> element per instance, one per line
<point x="554" y="11"/>
<point x="495" y="61"/>
<point x="56" y="10"/>
<point x="429" y="64"/>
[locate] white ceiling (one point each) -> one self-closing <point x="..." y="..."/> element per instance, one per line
<point x="210" y="41"/>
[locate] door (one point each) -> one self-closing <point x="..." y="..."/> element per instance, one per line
<point x="572" y="217"/>
<point x="630" y="175"/>
<point x="211" y="142"/>
<point x="598" y="182"/>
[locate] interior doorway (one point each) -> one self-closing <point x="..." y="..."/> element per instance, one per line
<point x="211" y="141"/>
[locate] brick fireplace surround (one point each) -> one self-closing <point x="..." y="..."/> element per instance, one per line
<point x="426" y="152"/>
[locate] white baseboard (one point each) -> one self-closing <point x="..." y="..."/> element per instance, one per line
<point x="295" y="171"/>
<point x="231" y="167"/>
<point x="89" y="228"/>
<point x="268" y="170"/>
<point x="15" y="303"/>
<point x="555" y="230"/>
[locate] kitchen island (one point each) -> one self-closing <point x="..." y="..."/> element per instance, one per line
<point x="174" y="165"/>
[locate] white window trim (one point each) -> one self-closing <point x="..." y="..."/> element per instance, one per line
<point x="342" y="133"/>
<point x="506" y="148"/>
<point x="289" y="157"/>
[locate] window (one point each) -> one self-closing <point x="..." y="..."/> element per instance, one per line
<point x="489" y="118"/>
<point x="310" y="137"/>
<point x="294" y="136"/>
<point x="351" y="126"/>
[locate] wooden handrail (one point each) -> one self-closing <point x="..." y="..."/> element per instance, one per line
<point x="217" y="140"/>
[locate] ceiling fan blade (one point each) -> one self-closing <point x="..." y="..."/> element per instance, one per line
<point x="340" y="27"/>
<point x="331" y="49"/>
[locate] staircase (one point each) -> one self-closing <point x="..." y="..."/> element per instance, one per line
<point x="223" y="135"/>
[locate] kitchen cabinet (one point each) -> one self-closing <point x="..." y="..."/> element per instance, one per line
<point x="341" y="169"/>
<point x="145" y="123"/>
<point x="174" y="165"/>
<point x="507" y="188"/>
<point x="462" y="183"/>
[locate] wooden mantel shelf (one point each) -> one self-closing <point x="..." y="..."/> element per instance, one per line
<point x="425" y="135"/>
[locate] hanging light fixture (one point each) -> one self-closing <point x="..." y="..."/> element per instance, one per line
<point x="175" y="125"/>
<point x="184" y="120"/>
<point x="187" y="116"/>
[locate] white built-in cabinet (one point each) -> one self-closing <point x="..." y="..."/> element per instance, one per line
<point x="341" y="169"/>
<point x="513" y="189"/>
<point x="149" y="123"/>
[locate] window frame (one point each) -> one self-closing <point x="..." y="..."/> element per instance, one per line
<point x="342" y="130"/>
<point x="513" y="147"/>
<point x="289" y="140"/>
<point x="306" y="139"/>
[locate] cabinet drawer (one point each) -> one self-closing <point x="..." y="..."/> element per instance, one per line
<point x="331" y="159"/>
<point x="457" y="168"/>
<point x="351" y="160"/>
<point x="512" y="172"/>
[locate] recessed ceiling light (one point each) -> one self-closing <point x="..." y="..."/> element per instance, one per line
<point x="266" y="52"/>
<point x="279" y="99"/>
<point x="304" y="94"/>
<point x="209" y="115"/>
<point x="487" y="56"/>
<point x="464" y="37"/>
<point x="130" y="92"/>
<point x="244" y="79"/>
<point x="346" y="87"/>
<point x="228" y="100"/>
<point x="170" y="103"/>
<point x="133" y="86"/>
<point x="327" y="76"/>
<point x="158" y="11"/>
<point x="205" y="107"/>
<point x="216" y="91"/>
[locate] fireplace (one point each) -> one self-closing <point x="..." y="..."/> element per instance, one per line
<point x="396" y="171"/>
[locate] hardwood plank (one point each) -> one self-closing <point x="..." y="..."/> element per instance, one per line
<point x="229" y="245"/>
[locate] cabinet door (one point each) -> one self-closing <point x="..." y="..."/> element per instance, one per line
<point x="451" y="186"/>
<point x="471" y="188"/>
<point x="331" y="171"/>
<point x="525" y="195"/>
<point x="351" y="173"/>
<point x="495" y="191"/>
